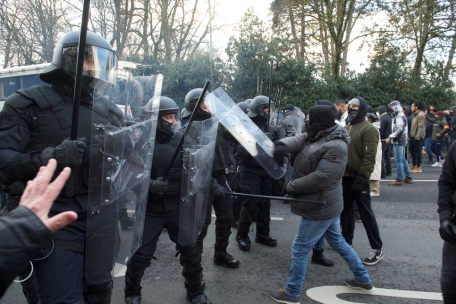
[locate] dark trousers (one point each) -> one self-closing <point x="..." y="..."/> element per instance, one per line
<point x="158" y="216"/>
<point x="223" y="207"/>
<point x="415" y="148"/>
<point x="255" y="180"/>
<point x="448" y="274"/>
<point x="363" y="202"/>
<point x="436" y="148"/>
<point x="386" y="158"/>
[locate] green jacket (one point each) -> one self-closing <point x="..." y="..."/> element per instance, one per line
<point x="362" y="149"/>
<point x="440" y="127"/>
<point x="418" y="130"/>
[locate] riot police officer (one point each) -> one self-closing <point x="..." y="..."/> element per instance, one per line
<point x="35" y="125"/>
<point x="217" y="199"/>
<point x="290" y="120"/>
<point x="255" y="180"/>
<point x="163" y="205"/>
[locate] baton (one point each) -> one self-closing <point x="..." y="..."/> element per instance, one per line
<point x="280" y="198"/>
<point x="190" y="120"/>
<point x="270" y="92"/>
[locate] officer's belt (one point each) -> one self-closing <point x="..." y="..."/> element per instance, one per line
<point x="72" y="246"/>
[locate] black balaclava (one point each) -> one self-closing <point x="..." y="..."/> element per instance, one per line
<point x="201" y="115"/>
<point x="360" y="114"/>
<point x="321" y="117"/>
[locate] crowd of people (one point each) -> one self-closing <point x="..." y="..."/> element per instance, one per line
<point x="335" y="157"/>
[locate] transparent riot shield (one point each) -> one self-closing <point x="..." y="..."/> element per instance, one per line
<point x="259" y="146"/>
<point x="119" y="172"/>
<point x="199" y="146"/>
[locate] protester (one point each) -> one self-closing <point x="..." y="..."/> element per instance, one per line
<point x="439" y="129"/>
<point x="398" y="138"/>
<point x="428" y="138"/>
<point x="342" y="112"/>
<point x="321" y="158"/>
<point x="385" y="131"/>
<point x="417" y="134"/>
<point x="25" y="231"/>
<point x="362" y="151"/>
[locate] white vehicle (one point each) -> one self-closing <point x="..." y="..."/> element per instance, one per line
<point x="13" y="79"/>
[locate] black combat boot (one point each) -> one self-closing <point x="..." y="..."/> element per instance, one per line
<point x="242" y="236"/>
<point x="135" y="271"/>
<point x="266" y="240"/>
<point x="319" y="258"/>
<point x="199" y="298"/>
<point x="202" y="285"/>
<point x="221" y="257"/>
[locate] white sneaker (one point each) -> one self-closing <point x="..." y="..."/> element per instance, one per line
<point x="375" y="194"/>
<point x="437" y="164"/>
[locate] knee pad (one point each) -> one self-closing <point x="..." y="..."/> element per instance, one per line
<point x="99" y="293"/>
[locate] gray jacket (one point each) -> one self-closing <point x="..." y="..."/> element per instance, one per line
<point x="317" y="172"/>
<point x="289" y="124"/>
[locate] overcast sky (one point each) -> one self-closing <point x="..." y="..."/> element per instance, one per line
<point x="230" y="13"/>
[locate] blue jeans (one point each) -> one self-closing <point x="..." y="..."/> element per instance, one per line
<point x="319" y="244"/>
<point x="309" y="232"/>
<point x="401" y="163"/>
<point x="427" y="147"/>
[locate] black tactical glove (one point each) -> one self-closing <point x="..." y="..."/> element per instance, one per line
<point x="280" y="151"/>
<point x="68" y="154"/>
<point x="358" y="183"/>
<point x="269" y="135"/>
<point x="158" y="186"/>
<point x="216" y="189"/>
<point x="447" y="230"/>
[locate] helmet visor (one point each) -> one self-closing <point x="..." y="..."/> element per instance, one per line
<point x="99" y="63"/>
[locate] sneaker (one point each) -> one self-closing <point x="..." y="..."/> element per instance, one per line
<point x="374" y="194"/>
<point x="351" y="282"/>
<point x="413" y="167"/>
<point x="408" y="180"/>
<point x="374" y="257"/>
<point x="417" y="169"/>
<point x="395" y="183"/>
<point x="437" y="164"/>
<point x="282" y="297"/>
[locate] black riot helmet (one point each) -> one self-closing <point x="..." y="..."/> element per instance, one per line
<point x="190" y="102"/>
<point x="257" y="105"/>
<point x="245" y="107"/>
<point x="100" y="62"/>
<point x="167" y="106"/>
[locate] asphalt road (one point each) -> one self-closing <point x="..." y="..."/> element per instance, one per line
<point x="408" y="222"/>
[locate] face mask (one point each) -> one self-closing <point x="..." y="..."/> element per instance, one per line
<point x="200" y="113"/>
<point x="351" y="115"/>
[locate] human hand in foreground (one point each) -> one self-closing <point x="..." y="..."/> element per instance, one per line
<point x="39" y="195"/>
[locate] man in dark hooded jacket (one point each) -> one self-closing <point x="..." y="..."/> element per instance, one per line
<point x="385" y="131"/>
<point x="361" y="160"/>
<point x="321" y="158"/>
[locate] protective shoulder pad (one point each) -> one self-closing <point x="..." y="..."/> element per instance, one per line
<point x="46" y="98"/>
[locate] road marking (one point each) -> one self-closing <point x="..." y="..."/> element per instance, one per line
<point x="328" y="294"/>
<point x="415" y="180"/>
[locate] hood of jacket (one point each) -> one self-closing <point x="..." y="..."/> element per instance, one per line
<point x="395" y="107"/>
